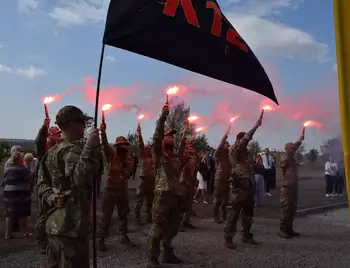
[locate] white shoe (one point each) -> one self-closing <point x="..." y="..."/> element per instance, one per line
<point x="268" y="194"/>
<point x="327" y="195"/>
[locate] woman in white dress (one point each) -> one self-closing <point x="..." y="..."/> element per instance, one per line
<point x="202" y="174"/>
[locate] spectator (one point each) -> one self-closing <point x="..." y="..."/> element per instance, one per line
<point x="202" y="176"/>
<point x="211" y="171"/>
<point x="259" y="181"/>
<point x="268" y="163"/>
<point x="331" y="170"/>
<point x="17" y="194"/>
<point x="273" y="184"/>
<point x="31" y="163"/>
<point x="339" y="180"/>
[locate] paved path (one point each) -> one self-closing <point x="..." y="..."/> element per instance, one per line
<point x="324" y="244"/>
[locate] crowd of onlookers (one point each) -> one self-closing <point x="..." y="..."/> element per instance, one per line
<point x="335" y="177"/>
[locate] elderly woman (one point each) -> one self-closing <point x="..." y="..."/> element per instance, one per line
<point x="17" y="193"/>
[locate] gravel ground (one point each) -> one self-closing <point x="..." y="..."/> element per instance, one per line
<point x="324" y="243"/>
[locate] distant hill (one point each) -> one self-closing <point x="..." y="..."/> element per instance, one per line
<point x="29" y="144"/>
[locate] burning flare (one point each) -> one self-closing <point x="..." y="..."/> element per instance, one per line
<point x="267" y="108"/>
<point x="200" y="129"/>
<point x="234" y="118"/>
<point x="310" y="123"/>
<point x="141" y="117"/>
<point x="50" y="99"/>
<point x="106" y="107"/>
<point x="173" y="90"/>
<point x="192" y="118"/>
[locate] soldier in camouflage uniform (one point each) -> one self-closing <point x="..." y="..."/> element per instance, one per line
<point x="242" y="196"/>
<point x="166" y="204"/>
<point x="65" y="182"/>
<point x="147" y="179"/>
<point x="116" y="192"/>
<point x="46" y="138"/>
<point x="188" y="182"/>
<point x="221" y="183"/>
<point x="289" y="190"/>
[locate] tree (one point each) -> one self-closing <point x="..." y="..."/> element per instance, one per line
<point x="312" y="156"/>
<point x="254" y="147"/>
<point x="299" y="155"/>
<point x="200" y="143"/>
<point x="332" y="147"/>
<point x="4" y="150"/>
<point x="133" y="139"/>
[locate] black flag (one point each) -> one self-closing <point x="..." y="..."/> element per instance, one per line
<point x="191" y="34"/>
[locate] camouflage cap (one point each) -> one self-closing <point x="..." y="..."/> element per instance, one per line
<point x="121" y="141"/>
<point x="70" y="113"/>
<point x="169" y="132"/>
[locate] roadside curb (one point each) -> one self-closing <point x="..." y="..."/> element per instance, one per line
<point x="320" y="209"/>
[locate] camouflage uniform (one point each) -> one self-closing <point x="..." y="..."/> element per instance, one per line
<point x="67" y="171"/>
<point x="242" y="196"/>
<point x="147" y="181"/>
<point x="166" y="205"/>
<point x="116" y="193"/>
<point x="41" y="143"/>
<point x="221" y="184"/>
<point x="289" y="191"/>
<point x="188" y="182"/>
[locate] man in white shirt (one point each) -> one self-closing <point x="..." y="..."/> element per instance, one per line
<point x="268" y="163"/>
<point x="330" y="171"/>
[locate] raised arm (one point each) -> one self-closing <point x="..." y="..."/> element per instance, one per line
<point x="249" y="135"/>
<point x="107" y="149"/>
<point x="140" y="140"/>
<point x="220" y="146"/>
<point x="40" y="140"/>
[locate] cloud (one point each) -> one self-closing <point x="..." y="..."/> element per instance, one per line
<point x="25" y="6"/>
<point x="111" y="58"/>
<point x="257" y="21"/>
<point x="28" y="72"/>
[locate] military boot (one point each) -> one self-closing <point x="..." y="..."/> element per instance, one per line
<point x="294" y="233"/>
<point x="284" y="234"/>
<point x="182" y="228"/>
<point x="169" y="257"/>
<point x="101" y="245"/>
<point x="153" y="263"/>
<point x="125" y="240"/>
<point x="248" y="239"/>
<point x="228" y="242"/>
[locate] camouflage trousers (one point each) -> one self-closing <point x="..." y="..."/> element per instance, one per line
<point x="166" y="219"/>
<point x="40" y="224"/>
<point x="111" y="199"/>
<point x="241" y="204"/>
<point x="221" y="197"/>
<point x="186" y="205"/>
<point x="144" y="191"/>
<point x="288" y="200"/>
<point x="64" y="252"/>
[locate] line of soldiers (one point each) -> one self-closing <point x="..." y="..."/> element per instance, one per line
<point x="168" y="179"/>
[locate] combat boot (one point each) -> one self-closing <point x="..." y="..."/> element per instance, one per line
<point x="169" y="257"/>
<point x="228" y="242"/>
<point x="153" y="263"/>
<point x="294" y="233"/>
<point x="101" y="245"/>
<point x="182" y="228"/>
<point x="284" y="234"/>
<point x="126" y="241"/>
<point x="248" y="239"/>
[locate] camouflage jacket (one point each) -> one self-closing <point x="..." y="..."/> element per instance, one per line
<point x="119" y="170"/>
<point x="222" y="162"/>
<point x="147" y="168"/>
<point x="189" y="172"/>
<point x="167" y="164"/>
<point x="289" y="166"/>
<point x="242" y="171"/>
<point x="68" y="169"/>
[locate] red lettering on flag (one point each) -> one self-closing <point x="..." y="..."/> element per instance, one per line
<point x="216" y="27"/>
<point x="232" y="37"/>
<point x="190" y="14"/>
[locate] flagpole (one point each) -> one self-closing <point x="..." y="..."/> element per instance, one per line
<point x="342" y="35"/>
<point x="94" y="185"/>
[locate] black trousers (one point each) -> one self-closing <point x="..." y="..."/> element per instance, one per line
<point x="330" y="180"/>
<point x="339" y="185"/>
<point x="268" y="178"/>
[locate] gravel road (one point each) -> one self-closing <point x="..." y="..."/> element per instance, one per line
<point x="324" y="243"/>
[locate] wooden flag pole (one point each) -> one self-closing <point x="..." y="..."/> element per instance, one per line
<point x="342" y="38"/>
<point x="94" y="185"/>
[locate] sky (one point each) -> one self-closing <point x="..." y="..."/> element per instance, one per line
<point x="53" y="47"/>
